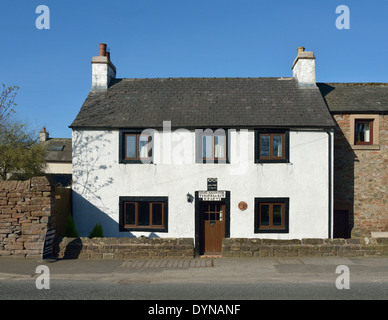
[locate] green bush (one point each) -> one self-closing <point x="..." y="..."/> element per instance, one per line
<point x="70" y="230"/>
<point x="97" y="232"/>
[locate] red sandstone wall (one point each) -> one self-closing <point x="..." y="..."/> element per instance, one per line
<point x="361" y="178"/>
<point x="26" y="212"/>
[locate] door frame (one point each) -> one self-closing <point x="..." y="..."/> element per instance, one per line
<point x="197" y="220"/>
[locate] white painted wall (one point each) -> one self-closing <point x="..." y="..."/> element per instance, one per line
<point x="99" y="179"/>
<point x="304" y="72"/>
<point x="102" y="73"/>
<point x="59" y="167"/>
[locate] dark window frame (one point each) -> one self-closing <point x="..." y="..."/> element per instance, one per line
<point x="285" y="146"/>
<point x="123" y="146"/>
<point x="370" y="121"/>
<point x="199" y="134"/>
<point x="150" y="201"/>
<point x="284" y="228"/>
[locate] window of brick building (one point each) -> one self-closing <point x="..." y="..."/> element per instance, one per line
<point x="363" y="131"/>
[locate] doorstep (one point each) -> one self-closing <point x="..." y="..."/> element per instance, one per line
<point x="167" y="263"/>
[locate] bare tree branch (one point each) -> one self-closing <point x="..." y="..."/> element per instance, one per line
<point x="7" y="102"/>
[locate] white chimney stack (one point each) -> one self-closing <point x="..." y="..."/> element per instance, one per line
<point x="43" y="135"/>
<point x="303" y="69"/>
<point x="103" y="70"/>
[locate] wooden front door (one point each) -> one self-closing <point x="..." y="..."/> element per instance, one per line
<point x="212" y="227"/>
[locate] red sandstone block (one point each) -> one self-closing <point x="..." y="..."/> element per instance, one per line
<point x="14" y="246"/>
<point x="33" y="228"/>
<point x="33" y="245"/>
<point x="6" y="230"/>
<point x="39" y="213"/>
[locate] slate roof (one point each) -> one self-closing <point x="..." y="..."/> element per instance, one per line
<point x="204" y="103"/>
<point x="58" y="150"/>
<point x="355" y="97"/>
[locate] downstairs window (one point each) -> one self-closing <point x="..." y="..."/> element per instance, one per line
<point x="143" y="214"/>
<point x="271" y="215"/>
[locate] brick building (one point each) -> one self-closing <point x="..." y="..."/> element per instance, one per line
<point x="360" y="157"/>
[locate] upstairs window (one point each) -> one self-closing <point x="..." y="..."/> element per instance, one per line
<point x="271" y="146"/>
<point x="363" y="131"/>
<point x="212" y="146"/>
<point x="135" y="147"/>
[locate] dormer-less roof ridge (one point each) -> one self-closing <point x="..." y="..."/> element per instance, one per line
<point x="190" y="102"/>
<point x="355" y="97"/>
<point x="355" y="84"/>
<point x="200" y="102"/>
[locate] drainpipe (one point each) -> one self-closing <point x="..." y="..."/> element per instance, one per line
<point x="330" y="214"/>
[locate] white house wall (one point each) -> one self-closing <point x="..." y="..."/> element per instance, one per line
<point x="99" y="180"/>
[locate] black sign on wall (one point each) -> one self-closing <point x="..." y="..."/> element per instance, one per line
<point x="211" y="184"/>
<point x="49" y="244"/>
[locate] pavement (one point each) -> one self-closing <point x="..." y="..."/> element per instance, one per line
<point x="199" y="270"/>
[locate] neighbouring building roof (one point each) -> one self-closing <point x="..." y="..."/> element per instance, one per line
<point x="355" y="97"/>
<point x="204" y="102"/>
<point x="58" y="150"/>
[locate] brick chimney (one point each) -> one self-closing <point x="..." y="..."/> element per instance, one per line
<point x="43" y="135"/>
<point x="303" y="69"/>
<point x="103" y="70"/>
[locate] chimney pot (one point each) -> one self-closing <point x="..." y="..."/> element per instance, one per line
<point x="300" y="49"/>
<point x="102" y="50"/>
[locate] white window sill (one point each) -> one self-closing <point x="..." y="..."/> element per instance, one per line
<point x="366" y="147"/>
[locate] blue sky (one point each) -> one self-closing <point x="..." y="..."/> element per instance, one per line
<point x="178" y="38"/>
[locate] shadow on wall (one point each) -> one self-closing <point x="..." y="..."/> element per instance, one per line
<point x="89" y="215"/>
<point x="92" y="164"/>
<point x="71" y="248"/>
<point x="344" y="158"/>
<point x="89" y="161"/>
<point x="84" y="223"/>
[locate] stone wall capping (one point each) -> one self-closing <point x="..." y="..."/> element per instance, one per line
<point x="382" y="240"/>
<point x="312" y="241"/>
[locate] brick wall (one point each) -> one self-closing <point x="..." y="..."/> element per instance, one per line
<point x="144" y="248"/>
<point x="241" y="247"/>
<point x="361" y="179"/>
<point x="123" y="248"/>
<point x="26" y="212"/>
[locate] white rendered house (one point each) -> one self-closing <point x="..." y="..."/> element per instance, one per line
<point x="204" y="158"/>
